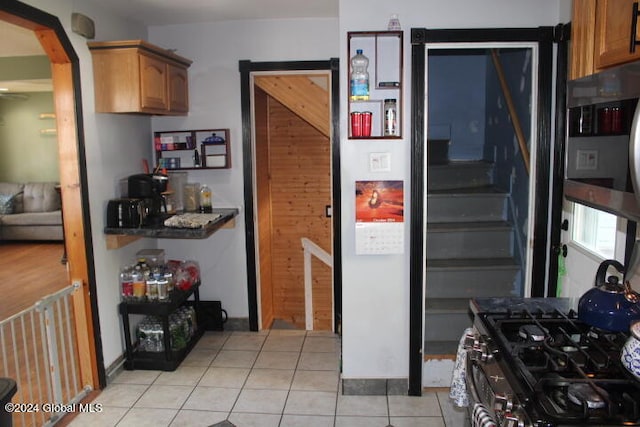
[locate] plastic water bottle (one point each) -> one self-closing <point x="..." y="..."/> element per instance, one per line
<point x="359" y="77"/>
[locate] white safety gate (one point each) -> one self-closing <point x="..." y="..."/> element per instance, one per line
<point x="39" y="351"/>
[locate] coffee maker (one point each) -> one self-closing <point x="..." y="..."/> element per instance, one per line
<point x="150" y="188"/>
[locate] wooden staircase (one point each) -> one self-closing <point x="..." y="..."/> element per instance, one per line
<point x="469" y="249"/>
<point x="305" y="95"/>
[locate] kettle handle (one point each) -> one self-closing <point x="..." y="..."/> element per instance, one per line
<point x="602" y="270"/>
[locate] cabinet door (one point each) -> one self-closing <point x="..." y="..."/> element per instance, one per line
<point x="153" y="84"/>
<point x="613" y="33"/>
<point x="583" y="29"/>
<point x="178" y="89"/>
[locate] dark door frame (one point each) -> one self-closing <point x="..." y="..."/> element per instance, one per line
<point x="544" y="36"/>
<point x="562" y="36"/>
<point x="246" y="68"/>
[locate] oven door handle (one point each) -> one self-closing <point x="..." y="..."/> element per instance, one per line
<point x="480" y="416"/>
<point x="471" y="383"/>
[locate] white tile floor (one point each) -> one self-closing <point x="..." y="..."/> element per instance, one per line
<point x="282" y="378"/>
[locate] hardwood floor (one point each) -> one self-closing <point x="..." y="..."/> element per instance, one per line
<point x="33" y="271"/>
<point x="30" y="271"/>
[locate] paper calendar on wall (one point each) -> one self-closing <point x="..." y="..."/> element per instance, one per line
<point x="379" y="217"/>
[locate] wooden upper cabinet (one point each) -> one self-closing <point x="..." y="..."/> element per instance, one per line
<point x="613" y="35"/>
<point x="583" y="21"/>
<point x="133" y="76"/>
<point x="178" y="89"/>
<point x="153" y="84"/>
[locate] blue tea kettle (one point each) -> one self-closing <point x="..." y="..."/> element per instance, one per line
<point x="610" y="305"/>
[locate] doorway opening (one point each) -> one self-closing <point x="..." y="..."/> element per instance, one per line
<point x="481" y="103"/>
<point x="292" y="193"/>
<point x="73" y="180"/>
<point x="506" y="137"/>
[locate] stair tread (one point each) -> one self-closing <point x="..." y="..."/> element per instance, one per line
<point x="462" y="226"/>
<point x="461" y="164"/>
<point x="483" y="190"/>
<point x="440" y="348"/>
<point x="472" y="263"/>
<point x="446" y="305"/>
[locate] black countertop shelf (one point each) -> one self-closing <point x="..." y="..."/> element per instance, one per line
<point x="176" y="299"/>
<point x="162" y="232"/>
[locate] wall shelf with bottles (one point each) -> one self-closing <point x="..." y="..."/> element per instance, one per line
<point x="382" y="111"/>
<point x="192" y="149"/>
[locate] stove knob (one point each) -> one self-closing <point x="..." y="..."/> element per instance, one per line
<point x="513" y="420"/>
<point x="479" y="352"/>
<point x="503" y="403"/>
<point x="485" y="352"/>
<point x="470" y="340"/>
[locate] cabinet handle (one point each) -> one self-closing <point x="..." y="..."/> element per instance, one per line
<point x="634" y="26"/>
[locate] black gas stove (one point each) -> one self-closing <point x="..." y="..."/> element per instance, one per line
<point x="531" y="362"/>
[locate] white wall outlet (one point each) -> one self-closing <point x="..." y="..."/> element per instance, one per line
<point x="587" y="159"/>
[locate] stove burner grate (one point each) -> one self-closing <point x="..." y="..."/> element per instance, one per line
<point x="585" y="394"/>
<point x="569" y="371"/>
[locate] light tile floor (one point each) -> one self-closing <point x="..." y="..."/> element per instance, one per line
<point x="277" y="378"/>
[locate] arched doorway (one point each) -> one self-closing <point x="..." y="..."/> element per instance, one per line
<point x="68" y="108"/>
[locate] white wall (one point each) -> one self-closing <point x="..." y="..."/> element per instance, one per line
<point x="214" y="91"/>
<point x="375" y="294"/>
<point x="26" y="154"/>
<point x="376" y="288"/>
<point x="115" y="145"/>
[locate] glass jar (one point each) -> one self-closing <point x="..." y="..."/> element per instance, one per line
<point x="152" y="289"/>
<point x="139" y="286"/>
<point x="205" y="199"/>
<point x="126" y="283"/>
<point x="163" y="293"/>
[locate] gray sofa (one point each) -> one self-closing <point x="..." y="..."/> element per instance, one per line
<point x="30" y="211"/>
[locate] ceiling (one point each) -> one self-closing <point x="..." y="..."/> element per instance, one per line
<point x="15" y="41"/>
<point x="165" y="12"/>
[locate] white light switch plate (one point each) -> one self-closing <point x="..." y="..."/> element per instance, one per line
<point x="379" y="162"/>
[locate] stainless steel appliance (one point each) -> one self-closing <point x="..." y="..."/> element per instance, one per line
<point x="531" y="362"/>
<point x="602" y="160"/>
<point x="151" y="188"/>
<point x="126" y="213"/>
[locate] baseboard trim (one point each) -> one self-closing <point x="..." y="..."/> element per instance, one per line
<point x="114" y="369"/>
<point x="237" y="324"/>
<point x="375" y="386"/>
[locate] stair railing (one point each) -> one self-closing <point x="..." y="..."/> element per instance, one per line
<point x="522" y="141"/>
<point x="310" y="249"/>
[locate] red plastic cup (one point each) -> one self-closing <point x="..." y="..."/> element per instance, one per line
<point x="604" y="121"/>
<point x="366" y="123"/>
<point x="356" y="124"/>
<point x="616" y="120"/>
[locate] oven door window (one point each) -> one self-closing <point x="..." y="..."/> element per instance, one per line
<point x="594" y="230"/>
